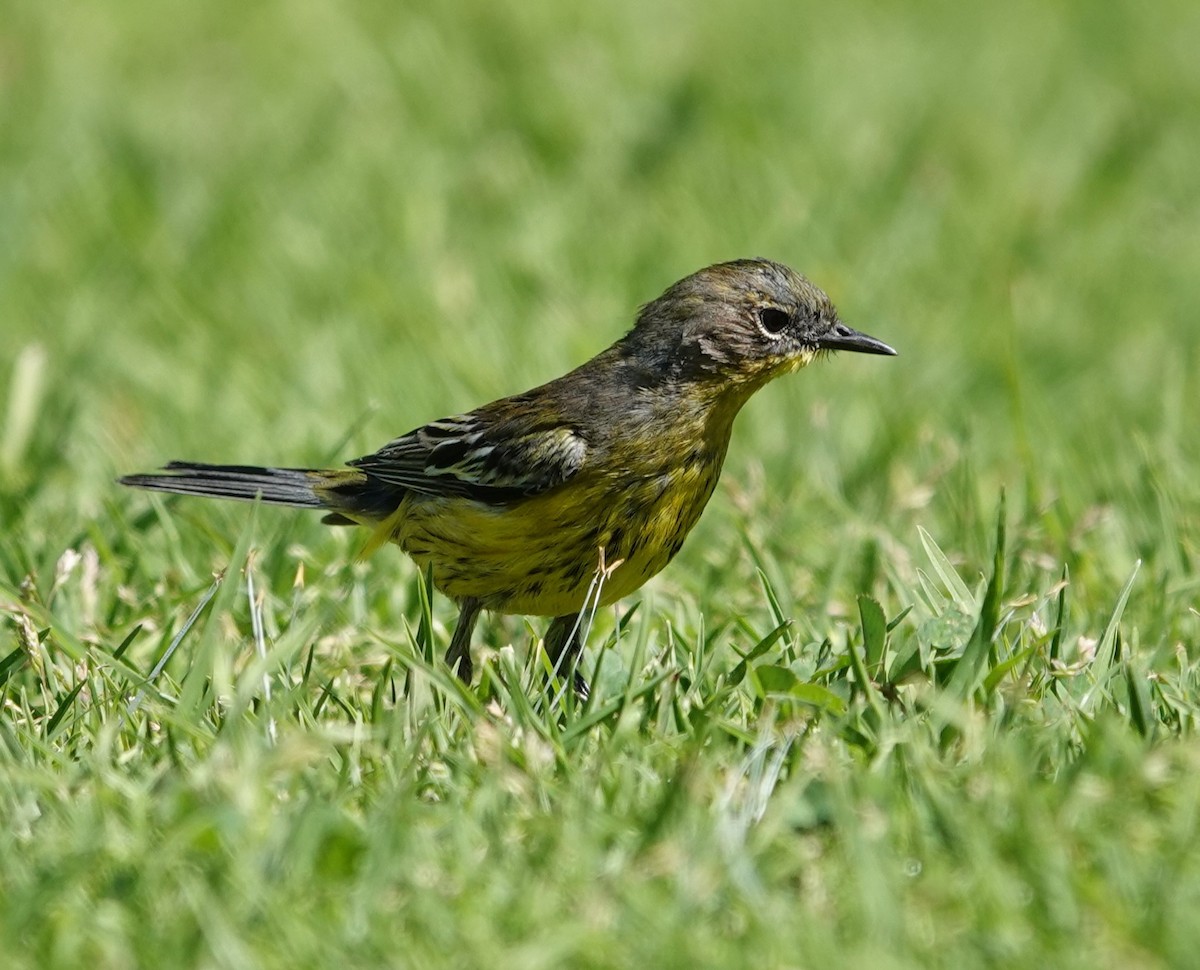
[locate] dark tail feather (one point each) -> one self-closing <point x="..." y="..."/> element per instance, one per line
<point x="275" y="486"/>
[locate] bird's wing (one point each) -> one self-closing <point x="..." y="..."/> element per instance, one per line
<point x="482" y="456"/>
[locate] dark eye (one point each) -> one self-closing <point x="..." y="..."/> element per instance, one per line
<point x="772" y="319"/>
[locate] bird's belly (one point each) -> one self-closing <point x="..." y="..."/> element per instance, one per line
<point x="551" y="554"/>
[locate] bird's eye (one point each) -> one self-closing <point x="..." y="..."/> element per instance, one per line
<point x="772" y="319"/>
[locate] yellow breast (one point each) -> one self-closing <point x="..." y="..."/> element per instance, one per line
<point x="542" y="555"/>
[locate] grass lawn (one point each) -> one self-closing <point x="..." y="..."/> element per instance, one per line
<point x="922" y="689"/>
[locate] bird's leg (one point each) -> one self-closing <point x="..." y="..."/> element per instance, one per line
<point x="458" y="657"/>
<point x="563" y="644"/>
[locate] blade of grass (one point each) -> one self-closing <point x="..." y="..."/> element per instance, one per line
<point x="1104" y="664"/>
<point x="946" y="572"/>
<point x="968" y="670"/>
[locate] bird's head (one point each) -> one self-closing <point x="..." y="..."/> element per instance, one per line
<point x="740" y="324"/>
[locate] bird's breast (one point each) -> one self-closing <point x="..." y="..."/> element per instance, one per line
<point x="598" y="537"/>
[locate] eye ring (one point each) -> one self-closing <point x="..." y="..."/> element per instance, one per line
<point x="773" y="320"/>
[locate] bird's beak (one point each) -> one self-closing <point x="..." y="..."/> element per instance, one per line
<point x="842" y="337"/>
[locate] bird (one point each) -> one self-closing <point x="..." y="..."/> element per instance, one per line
<point x="573" y="494"/>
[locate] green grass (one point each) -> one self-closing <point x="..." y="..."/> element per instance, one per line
<point x="923" y="688"/>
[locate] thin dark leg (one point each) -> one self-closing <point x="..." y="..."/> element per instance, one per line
<point x="563" y="646"/>
<point x="458" y="657"/>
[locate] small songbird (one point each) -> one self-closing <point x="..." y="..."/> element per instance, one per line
<point x="575" y="493"/>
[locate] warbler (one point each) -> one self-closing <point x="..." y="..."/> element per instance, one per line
<point x="574" y="493"/>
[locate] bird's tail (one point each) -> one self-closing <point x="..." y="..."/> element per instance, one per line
<point x="295" y="487"/>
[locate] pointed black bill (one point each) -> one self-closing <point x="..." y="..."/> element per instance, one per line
<point x="842" y="337"/>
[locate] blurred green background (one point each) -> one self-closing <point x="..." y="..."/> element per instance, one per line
<point x="283" y="233"/>
<point x="235" y="231"/>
